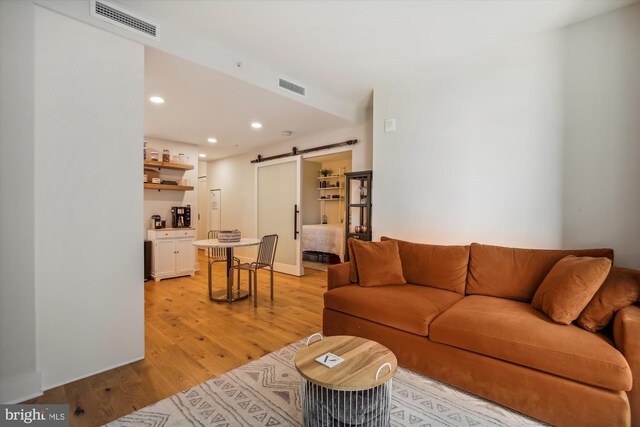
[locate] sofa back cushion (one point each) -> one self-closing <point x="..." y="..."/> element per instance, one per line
<point x="515" y="273"/>
<point x="443" y="267"/>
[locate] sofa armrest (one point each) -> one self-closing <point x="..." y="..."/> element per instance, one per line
<point x="338" y="275"/>
<point x="626" y="335"/>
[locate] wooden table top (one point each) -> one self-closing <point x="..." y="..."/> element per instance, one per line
<point x="362" y="359"/>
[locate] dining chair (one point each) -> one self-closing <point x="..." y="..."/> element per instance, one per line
<point x="266" y="257"/>
<point x="217" y="255"/>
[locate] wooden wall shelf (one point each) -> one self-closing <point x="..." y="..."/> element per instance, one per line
<point x="150" y="186"/>
<point x="167" y="165"/>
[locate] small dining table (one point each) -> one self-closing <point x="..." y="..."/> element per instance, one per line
<point x="229" y="295"/>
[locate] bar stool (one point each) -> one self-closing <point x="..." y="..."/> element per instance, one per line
<point x="218" y="255"/>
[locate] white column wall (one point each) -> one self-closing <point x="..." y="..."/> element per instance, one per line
<point x="19" y="378"/>
<point x="89" y="102"/>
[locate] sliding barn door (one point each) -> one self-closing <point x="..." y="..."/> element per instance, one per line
<point x="278" y="189"/>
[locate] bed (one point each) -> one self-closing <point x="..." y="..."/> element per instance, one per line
<point x="328" y="238"/>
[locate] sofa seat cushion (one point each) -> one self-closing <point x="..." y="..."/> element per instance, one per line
<point x="409" y="307"/>
<point x="515" y="332"/>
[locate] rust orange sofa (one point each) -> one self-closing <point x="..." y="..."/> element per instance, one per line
<point x="465" y="318"/>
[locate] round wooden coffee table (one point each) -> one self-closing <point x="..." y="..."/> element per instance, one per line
<point x="345" y="381"/>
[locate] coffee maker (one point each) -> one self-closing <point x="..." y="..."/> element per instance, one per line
<point x="156" y="222"/>
<point x="181" y="216"/>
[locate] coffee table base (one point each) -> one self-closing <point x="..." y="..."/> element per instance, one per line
<point x="322" y="406"/>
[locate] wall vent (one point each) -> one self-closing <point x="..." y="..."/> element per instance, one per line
<point x="292" y="87"/>
<point x="117" y="15"/>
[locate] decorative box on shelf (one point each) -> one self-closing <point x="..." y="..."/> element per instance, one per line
<point x="229" y="236"/>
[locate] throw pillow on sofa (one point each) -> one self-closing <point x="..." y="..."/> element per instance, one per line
<point x="569" y="286"/>
<point x="620" y="289"/>
<point x="378" y="263"/>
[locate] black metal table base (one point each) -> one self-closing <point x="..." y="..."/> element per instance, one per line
<point x="229" y="294"/>
<point x="223" y="296"/>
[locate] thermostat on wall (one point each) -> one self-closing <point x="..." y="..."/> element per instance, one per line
<point x="329" y="360"/>
<point x="390" y="125"/>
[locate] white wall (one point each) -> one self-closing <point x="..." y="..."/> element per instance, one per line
<point x="477" y="151"/>
<point x="88" y="198"/>
<point x="202" y="169"/>
<point x="534" y="144"/>
<point x="601" y="177"/>
<point x="235" y="176"/>
<point x="160" y="202"/>
<point x="19" y="378"/>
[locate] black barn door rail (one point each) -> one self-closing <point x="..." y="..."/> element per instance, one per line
<point x="295" y="151"/>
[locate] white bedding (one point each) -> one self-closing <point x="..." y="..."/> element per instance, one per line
<point x="324" y="238"/>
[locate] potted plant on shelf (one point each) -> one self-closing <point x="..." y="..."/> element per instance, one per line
<point x="326" y="172"/>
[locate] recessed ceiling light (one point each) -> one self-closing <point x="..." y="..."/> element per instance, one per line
<point x="212" y="140"/>
<point x="202" y="155"/>
<point x="256" y="125"/>
<point x="157" y="99"/>
<point x="287" y="133"/>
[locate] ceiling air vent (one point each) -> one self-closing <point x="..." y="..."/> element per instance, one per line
<point x="292" y="87"/>
<point x="123" y="18"/>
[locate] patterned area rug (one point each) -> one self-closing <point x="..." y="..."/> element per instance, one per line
<point x="266" y="392"/>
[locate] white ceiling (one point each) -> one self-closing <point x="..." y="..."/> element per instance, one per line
<point x="346" y="47"/>
<point x="343" y="48"/>
<point x="201" y="103"/>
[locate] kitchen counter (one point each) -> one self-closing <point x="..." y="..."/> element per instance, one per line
<point x="171" y="229"/>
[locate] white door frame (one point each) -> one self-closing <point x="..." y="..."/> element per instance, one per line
<point x="203" y="212"/>
<point x="296" y="270"/>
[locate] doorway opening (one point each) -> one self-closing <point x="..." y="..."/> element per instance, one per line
<point x="324" y="209"/>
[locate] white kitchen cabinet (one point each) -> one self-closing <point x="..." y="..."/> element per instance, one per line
<point x="173" y="253"/>
<point x="185" y="256"/>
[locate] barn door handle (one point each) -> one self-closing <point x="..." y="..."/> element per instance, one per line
<point x="295" y="222"/>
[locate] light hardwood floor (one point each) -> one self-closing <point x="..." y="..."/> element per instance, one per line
<point x="190" y="339"/>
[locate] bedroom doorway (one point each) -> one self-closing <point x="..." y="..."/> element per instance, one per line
<point x="323" y="213"/>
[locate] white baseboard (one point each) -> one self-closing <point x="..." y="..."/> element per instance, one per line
<point x="108" y="368"/>
<point x="20" y="388"/>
